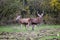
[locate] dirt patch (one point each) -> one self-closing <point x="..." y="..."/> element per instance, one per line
<point x="30" y="35"/>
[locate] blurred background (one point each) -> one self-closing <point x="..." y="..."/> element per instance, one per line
<point x="9" y="9"/>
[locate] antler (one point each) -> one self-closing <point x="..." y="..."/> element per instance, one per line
<point x="42" y="13"/>
<point x="38" y="14"/>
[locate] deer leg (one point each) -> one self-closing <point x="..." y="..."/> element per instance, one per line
<point x="32" y="27"/>
<point x="38" y="25"/>
<point x="25" y="27"/>
<point x="28" y="25"/>
<point x="21" y="26"/>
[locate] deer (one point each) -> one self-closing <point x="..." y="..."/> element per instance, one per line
<point x="30" y="21"/>
<point x="37" y="20"/>
<point x="24" y="21"/>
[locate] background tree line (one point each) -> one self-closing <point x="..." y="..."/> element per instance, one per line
<point x="28" y="8"/>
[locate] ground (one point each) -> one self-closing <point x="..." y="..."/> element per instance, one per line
<point x="42" y="32"/>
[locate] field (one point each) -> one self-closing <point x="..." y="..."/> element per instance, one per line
<point x="42" y="32"/>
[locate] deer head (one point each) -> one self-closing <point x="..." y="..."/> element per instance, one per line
<point x="18" y="17"/>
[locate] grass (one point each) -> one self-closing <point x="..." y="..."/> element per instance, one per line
<point x="17" y="28"/>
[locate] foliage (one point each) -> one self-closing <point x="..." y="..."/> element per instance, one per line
<point x="55" y="7"/>
<point x="28" y="8"/>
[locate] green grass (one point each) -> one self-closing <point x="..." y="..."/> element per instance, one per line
<point x="16" y="28"/>
<point x="11" y="28"/>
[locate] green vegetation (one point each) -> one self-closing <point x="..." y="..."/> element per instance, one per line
<point x="28" y="8"/>
<point x="9" y="9"/>
<point x="43" y="32"/>
<point x="17" y="28"/>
